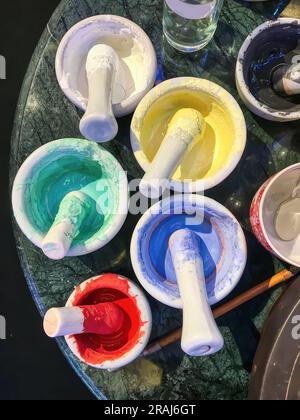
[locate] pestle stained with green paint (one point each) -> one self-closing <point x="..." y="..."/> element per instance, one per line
<point x="75" y="208"/>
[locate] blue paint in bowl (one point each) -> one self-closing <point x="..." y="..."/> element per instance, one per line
<point x="208" y="241"/>
<point x="219" y="236"/>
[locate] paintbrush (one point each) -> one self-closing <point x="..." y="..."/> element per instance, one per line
<point x="283" y="4"/>
<point x="277" y="279"/>
<point x="291" y="9"/>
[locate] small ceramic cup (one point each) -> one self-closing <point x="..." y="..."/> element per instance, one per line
<point x="265" y="205"/>
<point x="60" y="167"/>
<point x="127" y="38"/>
<point x="220" y="236"/>
<point x="225" y="131"/>
<point x="283" y="33"/>
<point x="113" y="352"/>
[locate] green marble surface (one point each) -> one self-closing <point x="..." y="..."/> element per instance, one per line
<point x="44" y="114"/>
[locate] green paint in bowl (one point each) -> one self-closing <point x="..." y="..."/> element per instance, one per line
<point x="64" y="166"/>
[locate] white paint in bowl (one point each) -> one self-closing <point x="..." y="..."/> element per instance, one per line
<point x="137" y="60"/>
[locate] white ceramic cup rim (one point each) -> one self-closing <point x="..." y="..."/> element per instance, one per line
<point x="225" y="98"/>
<point x="35" y="237"/>
<point x="147" y="217"/>
<point x="261" y="216"/>
<point x="256" y="106"/>
<point x="127" y="106"/>
<point x="133" y="354"/>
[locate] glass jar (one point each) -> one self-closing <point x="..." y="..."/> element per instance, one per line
<point x="189" y="25"/>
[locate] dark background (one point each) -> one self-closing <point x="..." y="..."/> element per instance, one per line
<point x="31" y="366"/>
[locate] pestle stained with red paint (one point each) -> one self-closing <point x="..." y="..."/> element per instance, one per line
<point x="103" y="318"/>
<point x="96" y="349"/>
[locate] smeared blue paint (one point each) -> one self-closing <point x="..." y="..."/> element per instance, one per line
<point x="272" y="48"/>
<point x="218" y="241"/>
<point x="208" y="241"/>
<point x="185" y="243"/>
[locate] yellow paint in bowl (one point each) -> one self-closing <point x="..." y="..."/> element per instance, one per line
<point x="215" y="154"/>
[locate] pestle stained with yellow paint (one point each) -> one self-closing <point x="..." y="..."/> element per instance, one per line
<point x="190" y="122"/>
<point x="206" y="158"/>
<point x="185" y="130"/>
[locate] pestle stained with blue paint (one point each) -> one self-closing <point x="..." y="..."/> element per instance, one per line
<point x="286" y="80"/>
<point x="268" y="59"/>
<point x="200" y="336"/>
<point x="74" y="209"/>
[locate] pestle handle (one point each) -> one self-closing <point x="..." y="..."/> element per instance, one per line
<point x="184" y="128"/>
<point x="99" y="123"/>
<point x="200" y="335"/>
<point x="103" y="319"/>
<point x="72" y="212"/>
<point x="286" y="80"/>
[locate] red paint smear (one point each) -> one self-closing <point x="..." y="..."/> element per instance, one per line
<point x="97" y="349"/>
<point x="104" y="318"/>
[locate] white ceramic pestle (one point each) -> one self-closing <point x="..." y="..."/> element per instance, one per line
<point x="286" y="80"/>
<point x="99" y="123"/>
<point x="104" y="318"/>
<point x="75" y="207"/>
<point x="200" y="336"/>
<point x="184" y="130"/>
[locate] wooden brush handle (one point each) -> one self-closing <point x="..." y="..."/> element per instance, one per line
<point x="280" y="278"/>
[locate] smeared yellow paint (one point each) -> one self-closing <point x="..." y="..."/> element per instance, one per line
<point x="211" y="152"/>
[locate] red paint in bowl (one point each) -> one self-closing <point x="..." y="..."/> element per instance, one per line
<point x="103" y="351"/>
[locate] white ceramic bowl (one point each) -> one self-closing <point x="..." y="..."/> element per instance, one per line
<point x="108" y="281"/>
<point x="127" y="36"/>
<point x="34" y="216"/>
<point x="266" y="203"/>
<point x="199" y="91"/>
<point x="257" y="107"/>
<point x="223" y="268"/>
